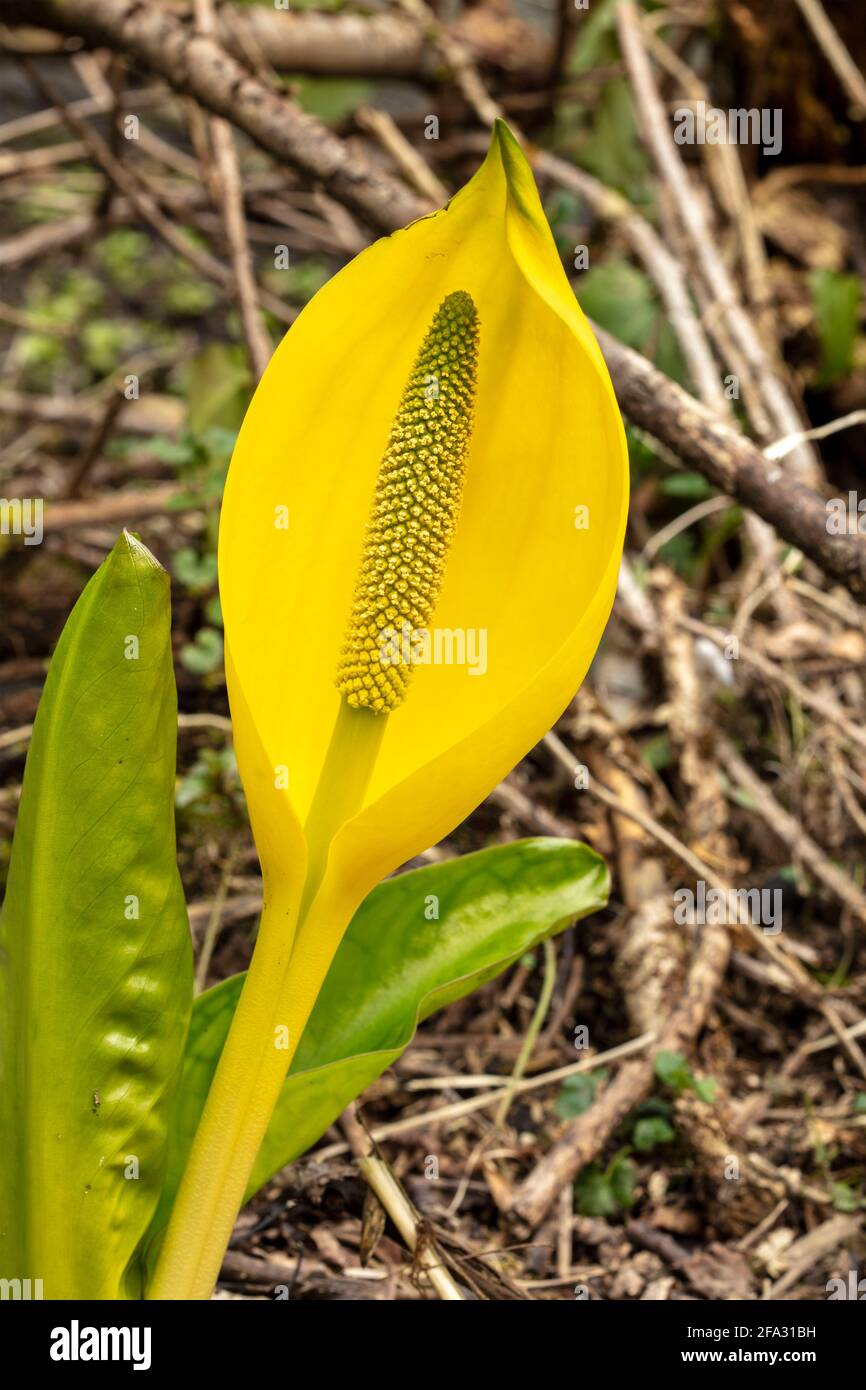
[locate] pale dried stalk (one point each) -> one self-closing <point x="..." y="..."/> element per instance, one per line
<point x="691" y="213"/>
<point x="234" y="217"/>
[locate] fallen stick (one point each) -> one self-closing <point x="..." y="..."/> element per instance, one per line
<point x="731" y="463"/>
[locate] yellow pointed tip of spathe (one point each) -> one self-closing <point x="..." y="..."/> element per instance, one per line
<point x="519" y="178"/>
<point x="514" y="161"/>
<point x="531" y="243"/>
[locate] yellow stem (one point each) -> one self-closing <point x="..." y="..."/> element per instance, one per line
<point x="270" y="1017"/>
<point x="240" y="1102"/>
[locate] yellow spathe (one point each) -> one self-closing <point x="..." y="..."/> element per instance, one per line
<point x="547" y="439"/>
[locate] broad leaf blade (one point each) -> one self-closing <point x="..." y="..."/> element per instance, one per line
<point x="95" y="960"/>
<point x="396" y="965"/>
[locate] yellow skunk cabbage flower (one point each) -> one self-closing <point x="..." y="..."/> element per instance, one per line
<point x="419" y="547"/>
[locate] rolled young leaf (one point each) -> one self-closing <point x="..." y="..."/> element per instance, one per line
<point x="95" y="958"/>
<point x="418" y="942"/>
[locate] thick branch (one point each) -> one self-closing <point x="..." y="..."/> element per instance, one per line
<point x="331" y="45"/>
<point x="732" y="463"/>
<point x="375" y="45"/>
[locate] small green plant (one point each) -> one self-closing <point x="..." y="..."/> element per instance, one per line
<point x="846" y="1197"/>
<point x="605" y="1191"/>
<point x="578" y="1093"/>
<point x="673" y="1070"/>
<point x="650" y="1131"/>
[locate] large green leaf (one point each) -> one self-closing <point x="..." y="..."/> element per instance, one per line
<point x="95" y="960"/>
<point x="418" y="942"/>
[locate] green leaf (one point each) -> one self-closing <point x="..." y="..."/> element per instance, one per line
<point x="196" y="572"/>
<point x="218" y="388"/>
<point x="621" y="298"/>
<point x="297" y="283"/>
<point x="96" y="976"/>
<point x="213" y="611"/>
<point x="836" y="305"/>
<point x="614" y="151"/>
<point x="657" y="752"/>
<point x="397" y="964"/>
<point x="602" y="1193"/>
<point x="623" y="1179"/>
<point x="692" y="486"/>
<point x="577" y="1094"/>
<point x="705" y="1089"/>
<point x="650" y="1131"/>
<point x="845" y="1198"/>
<point x="625" y="302"/>
<point x="673" y="1070"/>
<point x="680" y="553"/>
<point x="332" y="99"/>
<point x="205" y="653"/>
<point x="180" y="452"/>
<point x="595" y="35"/>
<point x="593" y="1193"/>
